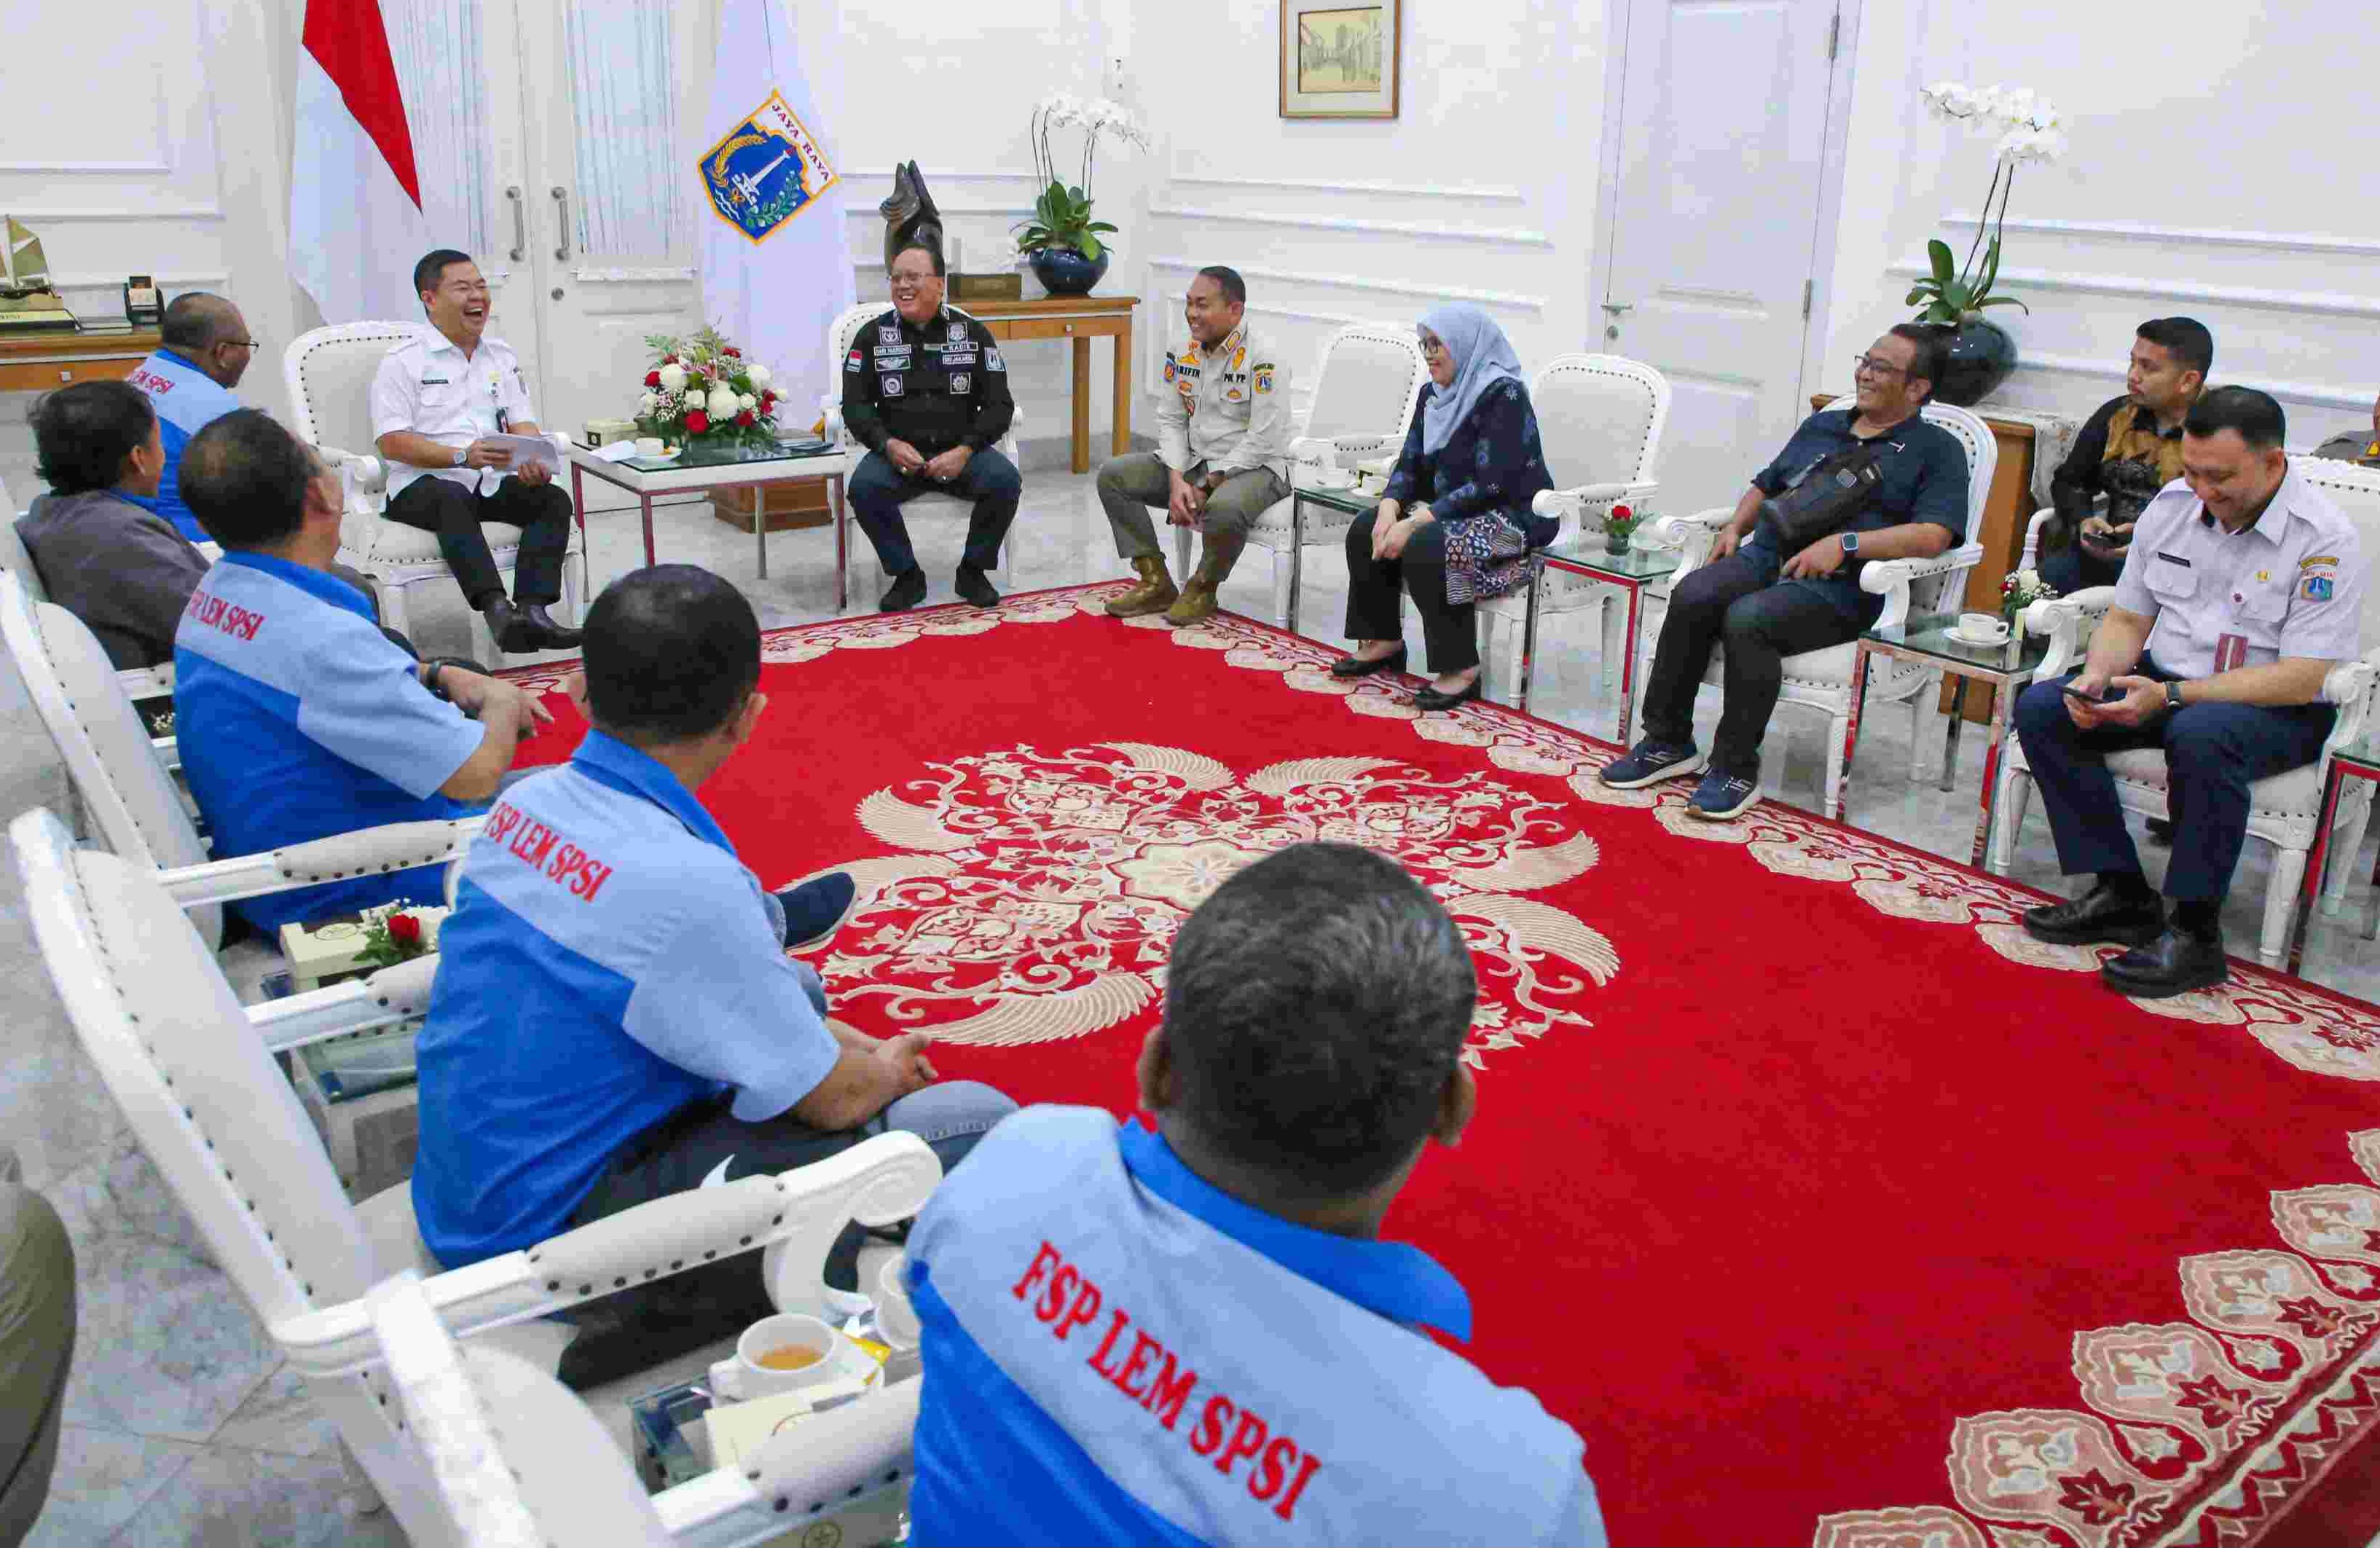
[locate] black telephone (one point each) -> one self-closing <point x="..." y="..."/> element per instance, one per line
<point x="143" y="308"/>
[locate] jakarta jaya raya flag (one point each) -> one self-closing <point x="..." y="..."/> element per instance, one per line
<point x="775" y="271"/>
<point x="356" y="225"/>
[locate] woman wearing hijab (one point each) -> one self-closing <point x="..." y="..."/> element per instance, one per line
<point x="1454" y="524"/>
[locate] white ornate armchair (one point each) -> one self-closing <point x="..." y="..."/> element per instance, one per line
<point x="1364" y="388"/>
<point x="1600" y="415"/>
<point x="329" y="372"/>
<point x="2284" y="811"/>
<point x="846" y="327"/>
<point x="1821" y="680"/>
<point x="215" y="1115"/>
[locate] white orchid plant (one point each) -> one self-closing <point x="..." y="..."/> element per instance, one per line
<point x="2028" y="130"/>
<point x="1061" y="215"/>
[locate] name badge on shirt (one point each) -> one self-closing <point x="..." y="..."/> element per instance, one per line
<point x="436" y="381"/>
<point x="2230" y="652"/>
<point x="891" y="386"/>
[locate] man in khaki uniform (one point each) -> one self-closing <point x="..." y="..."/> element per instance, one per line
<point x="1223" y="456"/>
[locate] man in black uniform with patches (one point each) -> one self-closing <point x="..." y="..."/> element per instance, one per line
<point x="925" y="390"/>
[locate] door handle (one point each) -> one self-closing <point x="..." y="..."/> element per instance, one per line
<point x="520" y="223"/>
<point x="1617" y="308"/>
<point x="562" y="215"/>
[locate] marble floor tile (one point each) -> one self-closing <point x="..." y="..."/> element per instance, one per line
<point x="226" y="1497"/>
<point x="280" y="1417"/>
<point x="103" y="1478"/>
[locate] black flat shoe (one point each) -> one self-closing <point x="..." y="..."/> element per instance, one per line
<point x="908" y="590"/>
<point x="1352" y="666"/>
<point x="2099" y="914"/>
<point x="2174" y="963"/>
<point x="1430" y="698"/>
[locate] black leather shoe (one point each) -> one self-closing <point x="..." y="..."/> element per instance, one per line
<point x="2174" y="963"/>
<point x="2160" y="830"/>
<point x="549" y="636"/>
<point x="513" y="635"/>
<point x="1430" y="698"/>
<point x="908" y="590"/>
<point x="1353" y="666"/>
<point x="974" y="587"/>
<point x="2099" y="914"/>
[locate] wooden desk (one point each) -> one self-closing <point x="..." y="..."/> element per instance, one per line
<point x="1081" y="319"/>
<point x="37" y="362"/>
<point x="1999" y="527"/>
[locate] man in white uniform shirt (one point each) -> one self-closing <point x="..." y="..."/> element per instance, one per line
<point x="1221" y="458"/>
<point x="2242" y="587"/>
<point x="434" y="404"/>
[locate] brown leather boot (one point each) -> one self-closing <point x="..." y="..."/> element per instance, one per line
<point x="1197" y="603"/>
<point x="1154" y="594"/>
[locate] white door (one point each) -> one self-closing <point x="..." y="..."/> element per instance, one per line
<point x="1714" y="223"/>
<point x="606" y="88"/>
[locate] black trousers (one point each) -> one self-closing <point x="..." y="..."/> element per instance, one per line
<point x="456" y="514"/>
<point x="1740" y="603"/>
<point x="1449" y="631"/>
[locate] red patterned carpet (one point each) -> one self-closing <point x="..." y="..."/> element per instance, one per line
<point x="1823" y="1203"/>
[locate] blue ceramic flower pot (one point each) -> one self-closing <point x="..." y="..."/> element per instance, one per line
<point x="1065" y="271"/>
<point x="1982" y="355"/>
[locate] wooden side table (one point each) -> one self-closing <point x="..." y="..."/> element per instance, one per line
<point x="1081" y="319"/>
<point x="37" y="362"/>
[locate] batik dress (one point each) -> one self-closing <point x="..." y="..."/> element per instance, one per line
<point x="1478" y="487"/>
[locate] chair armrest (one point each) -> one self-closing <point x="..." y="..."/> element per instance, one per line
<point x="2068" y="621"/>
<point x="877" y="1182"/>
<point x="146" y="682"/>
<point x="2031" y="558"/>
<point x="843" y="1453"/>
<point x="2350" y="686"/>
<point x="1891" y="578"/>
<point x="398" y="846"/>
<point x="379" y="1000"/>
<point x="1588" y="498"/>
<point x="1692" y="535"/>
<point x="366" y="473"/>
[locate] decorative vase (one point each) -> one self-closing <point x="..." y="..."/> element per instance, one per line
<point x="1615" y="542"/>
<point x="1065" y="271"/>
<point x="1980" y="358"/>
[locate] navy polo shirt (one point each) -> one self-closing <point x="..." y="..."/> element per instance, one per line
<point x="609" y="960"/>
<point x="297" y="719"/>
<point x="1925" y="479"/>
<point x="1117" y="1351"/>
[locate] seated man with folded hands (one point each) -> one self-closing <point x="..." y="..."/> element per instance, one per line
<point x="615" y="1018"/>
<point x="1193" y="1333"/>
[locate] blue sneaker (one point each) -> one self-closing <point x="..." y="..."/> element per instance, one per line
<point x="1722" y="796"/>
<point x="1650" y="762"/>
<point x="816" y="909"/>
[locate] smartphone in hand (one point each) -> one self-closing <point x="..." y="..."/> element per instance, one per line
<point x="2108" y="694"/>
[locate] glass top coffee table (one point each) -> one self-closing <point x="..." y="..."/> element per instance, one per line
<point x="1589" y="556"/>
<point x="2002" y="669"/>
<point x="2359" y="759"/>
<point x="1348" y="501"/>
<point x="699" y="467"/>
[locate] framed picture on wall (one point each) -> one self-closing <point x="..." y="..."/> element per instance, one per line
<point x="1339" y="58"/>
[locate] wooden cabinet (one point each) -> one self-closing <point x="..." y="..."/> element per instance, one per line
<point x="37" y="362"/>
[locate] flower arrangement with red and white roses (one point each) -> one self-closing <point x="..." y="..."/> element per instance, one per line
<point x="703" y="388"/>
<point x="394" y="934"/>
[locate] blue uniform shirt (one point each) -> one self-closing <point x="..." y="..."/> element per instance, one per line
<point x="188" y="400"/>
<point x="1116" y="1351"/>
<point x="609" y="960"/>
<point x="299" y="719"/>
<point x="1925" y="479"/>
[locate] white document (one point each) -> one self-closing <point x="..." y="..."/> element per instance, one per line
<point x="616" y="451"/>
<point x="526" y="449"/>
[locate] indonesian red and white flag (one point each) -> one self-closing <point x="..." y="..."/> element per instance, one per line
<point x="356" y="225"/>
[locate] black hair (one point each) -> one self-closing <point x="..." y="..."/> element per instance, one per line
<point x="195" y="321"/>
<point x="2256" y="416"/>
<point x="244" y="477"/>
<point x="1316" y="1006"/>
<point x="1235" y="289"/>
<point x="929" y="248"/>
<point x="431" y="269"/>
<point x="1932" y="342"/>
<point x="2185" y="338"/>
<point x="672" y="653"/>
<point x="83" y="433"/>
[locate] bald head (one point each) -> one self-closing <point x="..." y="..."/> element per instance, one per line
<point x="207" y="331"/>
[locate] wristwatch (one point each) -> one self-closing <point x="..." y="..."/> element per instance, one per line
<point x="1850" y="545"/>
<point x="2172" y="695"/>
<point x="462" y="454"/>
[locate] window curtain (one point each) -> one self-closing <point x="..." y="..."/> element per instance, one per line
<point x="439" y="48"/>
<point x="633" y="199"/>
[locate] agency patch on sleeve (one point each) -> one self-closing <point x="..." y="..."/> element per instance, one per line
<point x="855" y="361"/>
<point x="2329" y="559"/>
<point x="1264" y="378"/>
<point x="992" y="362"/>
<point x="2315" y="585"/>
<point x="1172" y="368"/>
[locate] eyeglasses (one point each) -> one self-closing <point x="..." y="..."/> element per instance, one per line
<point x="235" y="343"/>
<point x="1433" y="347"/>
<point x="912" y="280"/>
<point x="1863" y="364"/>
